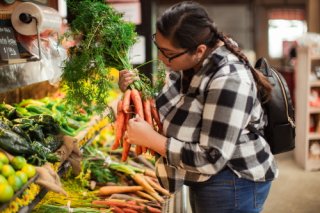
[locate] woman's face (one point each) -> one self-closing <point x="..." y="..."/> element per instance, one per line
<point x="174" y="58"/>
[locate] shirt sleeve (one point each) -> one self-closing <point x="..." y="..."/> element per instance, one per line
<point x="226" y="111"/>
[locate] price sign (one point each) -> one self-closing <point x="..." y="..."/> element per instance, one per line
<point x="8" y="44"/>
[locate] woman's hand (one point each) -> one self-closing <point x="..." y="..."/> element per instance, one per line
<point x="139" y="132"/>
<point x="126" y="77"/>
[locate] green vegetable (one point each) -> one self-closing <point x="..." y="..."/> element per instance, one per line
<point x="45" y="208"/>
<point x="41" y="154"/>
<point x="49" y="125"/>
<point x="104" y="43"/>
<point x="14" y="143"/>
<point x="52" y="142"/>
<point x="38" y="109"/>
<point x="17" y="129"/>
<point x="8" y="111"/>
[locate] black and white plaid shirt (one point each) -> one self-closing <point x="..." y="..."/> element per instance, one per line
<point x="206" y="124"/>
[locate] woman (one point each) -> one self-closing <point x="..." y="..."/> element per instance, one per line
<point x="208" y="102"/>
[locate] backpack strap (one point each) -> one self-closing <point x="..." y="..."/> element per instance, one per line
<point x="252" y="129"/>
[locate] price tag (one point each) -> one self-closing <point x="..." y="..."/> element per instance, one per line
<point x="8" y="44"/>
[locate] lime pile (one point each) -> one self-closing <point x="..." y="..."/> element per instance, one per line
<point x="13" y="175"/>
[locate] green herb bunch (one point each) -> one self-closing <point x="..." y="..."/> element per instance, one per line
<point x="103" y="42"/>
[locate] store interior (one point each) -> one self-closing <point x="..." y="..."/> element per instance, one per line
<point x="285" y="32"/>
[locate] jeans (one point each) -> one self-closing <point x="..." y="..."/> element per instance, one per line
<point x="226" y="193"/>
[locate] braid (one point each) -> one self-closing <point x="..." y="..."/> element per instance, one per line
<point x="263" y="85"/>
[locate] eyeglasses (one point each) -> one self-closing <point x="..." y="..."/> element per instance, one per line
<point x="170" y="58"/>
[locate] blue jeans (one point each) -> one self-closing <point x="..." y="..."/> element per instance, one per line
<point x="226" y="193"/>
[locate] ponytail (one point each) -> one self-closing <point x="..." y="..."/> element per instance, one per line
<point x="263" y="85"/>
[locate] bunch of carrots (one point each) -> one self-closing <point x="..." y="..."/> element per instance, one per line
<point x="135" y="101"/>
<point x="143" y="197"/>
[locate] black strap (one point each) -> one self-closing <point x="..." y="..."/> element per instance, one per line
<point x="251" y="128"/>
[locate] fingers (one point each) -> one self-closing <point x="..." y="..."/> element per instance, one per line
<point x="126" y="77"/>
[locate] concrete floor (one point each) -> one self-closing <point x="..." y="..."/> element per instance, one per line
<point x="295" y="190"/>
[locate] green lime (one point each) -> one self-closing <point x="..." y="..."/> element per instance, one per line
<point x="1" y="165"/>
<point x="29" y="170"/>
<point x="3" y="158"/>
<point x="6" y="192"/>
<point x="3" y="179"/>
<point x="23" y="176"/>
<point x="7" y="170"/>
<point x="18" y="162"/>
<point x="15" y="181"/>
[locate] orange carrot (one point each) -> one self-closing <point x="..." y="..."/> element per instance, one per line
<point x="150" y="173"/>
<point x="139" y="179"/>
<point x="148" y="117"/>
<point x="145" y="195"/>
<point x="126" y="100"/>
<point x="137" y="102"/>
<point x="126" y="145"/>
<point x="119" y="125"/>
<point x="116" y="209"/>
<point x="157" y="187"/>
<point x="155" y="115"/>
<point x="126" y="150"/>
<point x="147" y="111"/>
<point x="138" y="150"/>
<point x="107" y="190"/>
<point x="123" y="204"/>
<point x="127" y="210"/>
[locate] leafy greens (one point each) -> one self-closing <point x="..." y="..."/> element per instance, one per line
<point x="103" y="42"/>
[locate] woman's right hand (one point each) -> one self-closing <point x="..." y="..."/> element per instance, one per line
<point x="126" y="77"/>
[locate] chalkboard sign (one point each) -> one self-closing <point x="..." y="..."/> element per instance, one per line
<point x="8" y="44"/>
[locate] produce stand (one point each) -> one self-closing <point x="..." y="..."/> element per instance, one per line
<point x="87" y="81"/>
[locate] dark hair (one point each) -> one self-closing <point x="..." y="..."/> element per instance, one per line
<point x="187" y="24"/>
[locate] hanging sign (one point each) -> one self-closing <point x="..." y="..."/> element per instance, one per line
<point x="8" y="44"/>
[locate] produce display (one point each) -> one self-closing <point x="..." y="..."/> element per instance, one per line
<point x="106" y="184"/>
<point x="31" y="134"/>
<point x="73" y="146"/>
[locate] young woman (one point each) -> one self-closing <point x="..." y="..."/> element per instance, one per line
<point x="209" y="100"/>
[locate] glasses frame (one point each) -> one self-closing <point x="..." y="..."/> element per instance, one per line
<point x="163" y="53"/>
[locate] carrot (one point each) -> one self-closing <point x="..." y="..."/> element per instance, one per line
<point x="116" y="209"/>
<point x="126" y="100"/>
<point x="126" y="150"/>
<point x="119" y="125"/>
<point x="127" y="210"/>
<point x="147" y="111"/>
<point x="150" y="173"/>
<point x="107" y="190"/>
<point x="128" y="198"/>
<point x="155" y="115"/>
<point x="145" y="195"/>
<point x="147" y="115"/>
<point x="157" y="187"/>
<point x="138" y="150"/>
<point x="139" y="179"/>
<point x="137" y="102"/>
<point x="126" y="145"/>
<point x="126" y="205"/>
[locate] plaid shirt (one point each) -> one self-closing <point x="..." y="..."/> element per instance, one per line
<point x="206" y="124"/>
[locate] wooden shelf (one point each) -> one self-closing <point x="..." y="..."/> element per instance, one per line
<point x="18" y="61"/>
<point x="314" y="110"/>
<point x="315" y="83"/>
<point x="306" y="60"/>
<point x="314" y="136"/>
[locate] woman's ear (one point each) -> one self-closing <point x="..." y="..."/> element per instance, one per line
<point x="201" y="49"/>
